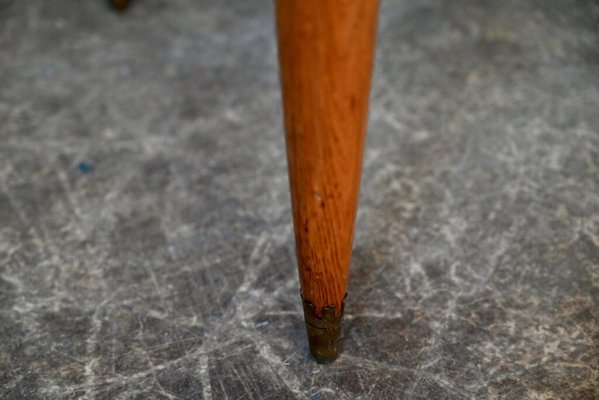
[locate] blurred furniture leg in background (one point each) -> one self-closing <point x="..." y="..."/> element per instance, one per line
<point x="119" y="5"/>
<point x="326" y="52"/>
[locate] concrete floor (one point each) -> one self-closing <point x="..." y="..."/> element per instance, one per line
<point x="146" y="247"/>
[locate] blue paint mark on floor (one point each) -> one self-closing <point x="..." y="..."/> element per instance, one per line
<point x="84" y="168"/>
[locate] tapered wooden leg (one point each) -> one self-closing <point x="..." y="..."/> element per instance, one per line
<point x="325" y="53"/>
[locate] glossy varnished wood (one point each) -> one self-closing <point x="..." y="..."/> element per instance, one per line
<point x="326" y="54"/>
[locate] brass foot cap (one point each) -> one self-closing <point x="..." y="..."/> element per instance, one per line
<point x="325" y="333"/>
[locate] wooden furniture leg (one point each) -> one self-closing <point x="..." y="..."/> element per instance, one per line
<point x="119" y="5"/>
<point x="326" y="52"/>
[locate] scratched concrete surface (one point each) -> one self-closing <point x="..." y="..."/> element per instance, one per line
<point x="146" y="245"/>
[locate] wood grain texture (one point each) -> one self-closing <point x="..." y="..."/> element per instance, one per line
<point x="326" y="54"/>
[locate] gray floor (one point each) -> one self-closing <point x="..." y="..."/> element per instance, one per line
<point x="146" y="244"/>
